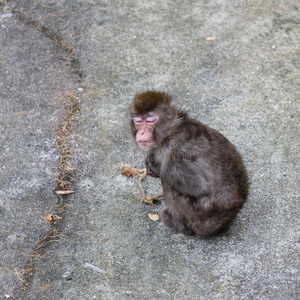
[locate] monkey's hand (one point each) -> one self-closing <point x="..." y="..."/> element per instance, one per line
<point x="150" y="169"/>
<point x="151" y="173"/>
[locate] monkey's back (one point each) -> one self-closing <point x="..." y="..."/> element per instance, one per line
<point x="204" y="180"/>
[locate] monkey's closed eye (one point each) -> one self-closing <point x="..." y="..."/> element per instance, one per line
<point x="137" y="120"/>
<point x="151" y="119"/>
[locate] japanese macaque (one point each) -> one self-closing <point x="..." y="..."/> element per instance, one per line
<point x="204" y="180"/>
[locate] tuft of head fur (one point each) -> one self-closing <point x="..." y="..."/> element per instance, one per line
<point x="149" y="101"/>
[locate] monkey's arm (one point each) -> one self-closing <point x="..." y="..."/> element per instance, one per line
<point x="151" y="169"/>
<point x="187" y="176"/>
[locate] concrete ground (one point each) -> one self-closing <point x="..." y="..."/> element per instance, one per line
<point x="68" y="72"/>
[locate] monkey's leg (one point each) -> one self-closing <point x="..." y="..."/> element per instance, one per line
<point x="166" y="216"/>
<point x="176" y="224"/>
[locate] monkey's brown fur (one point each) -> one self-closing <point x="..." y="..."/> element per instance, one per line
<point x="204" y="180"/>
<point x="149" y="101"/>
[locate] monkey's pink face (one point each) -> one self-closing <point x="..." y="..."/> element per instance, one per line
<point x="145" y="126"/>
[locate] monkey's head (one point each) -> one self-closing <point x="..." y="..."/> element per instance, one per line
<point x="149" y="111"/>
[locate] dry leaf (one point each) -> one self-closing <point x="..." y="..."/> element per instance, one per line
<point x="64" y="192"/>
<point x="153" y="217"/>
<point x="126" y="172"/>
<point x="50" y="218"/>
<point x="211" y="38"/>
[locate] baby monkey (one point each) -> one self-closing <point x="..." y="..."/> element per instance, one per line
<point x="204" y="180"/>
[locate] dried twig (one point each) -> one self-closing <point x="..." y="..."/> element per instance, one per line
<point x="141" y="173"/>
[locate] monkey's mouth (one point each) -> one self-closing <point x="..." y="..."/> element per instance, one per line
<point x="145" y="143"/>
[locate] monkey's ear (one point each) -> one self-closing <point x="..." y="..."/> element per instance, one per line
<point x="174" y="108"/>
<point x="172" y="104"/>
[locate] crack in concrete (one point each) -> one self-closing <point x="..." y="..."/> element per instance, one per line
<point x="67" y="172"/>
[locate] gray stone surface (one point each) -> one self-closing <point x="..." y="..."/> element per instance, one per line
<point x="245" y="83"/>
